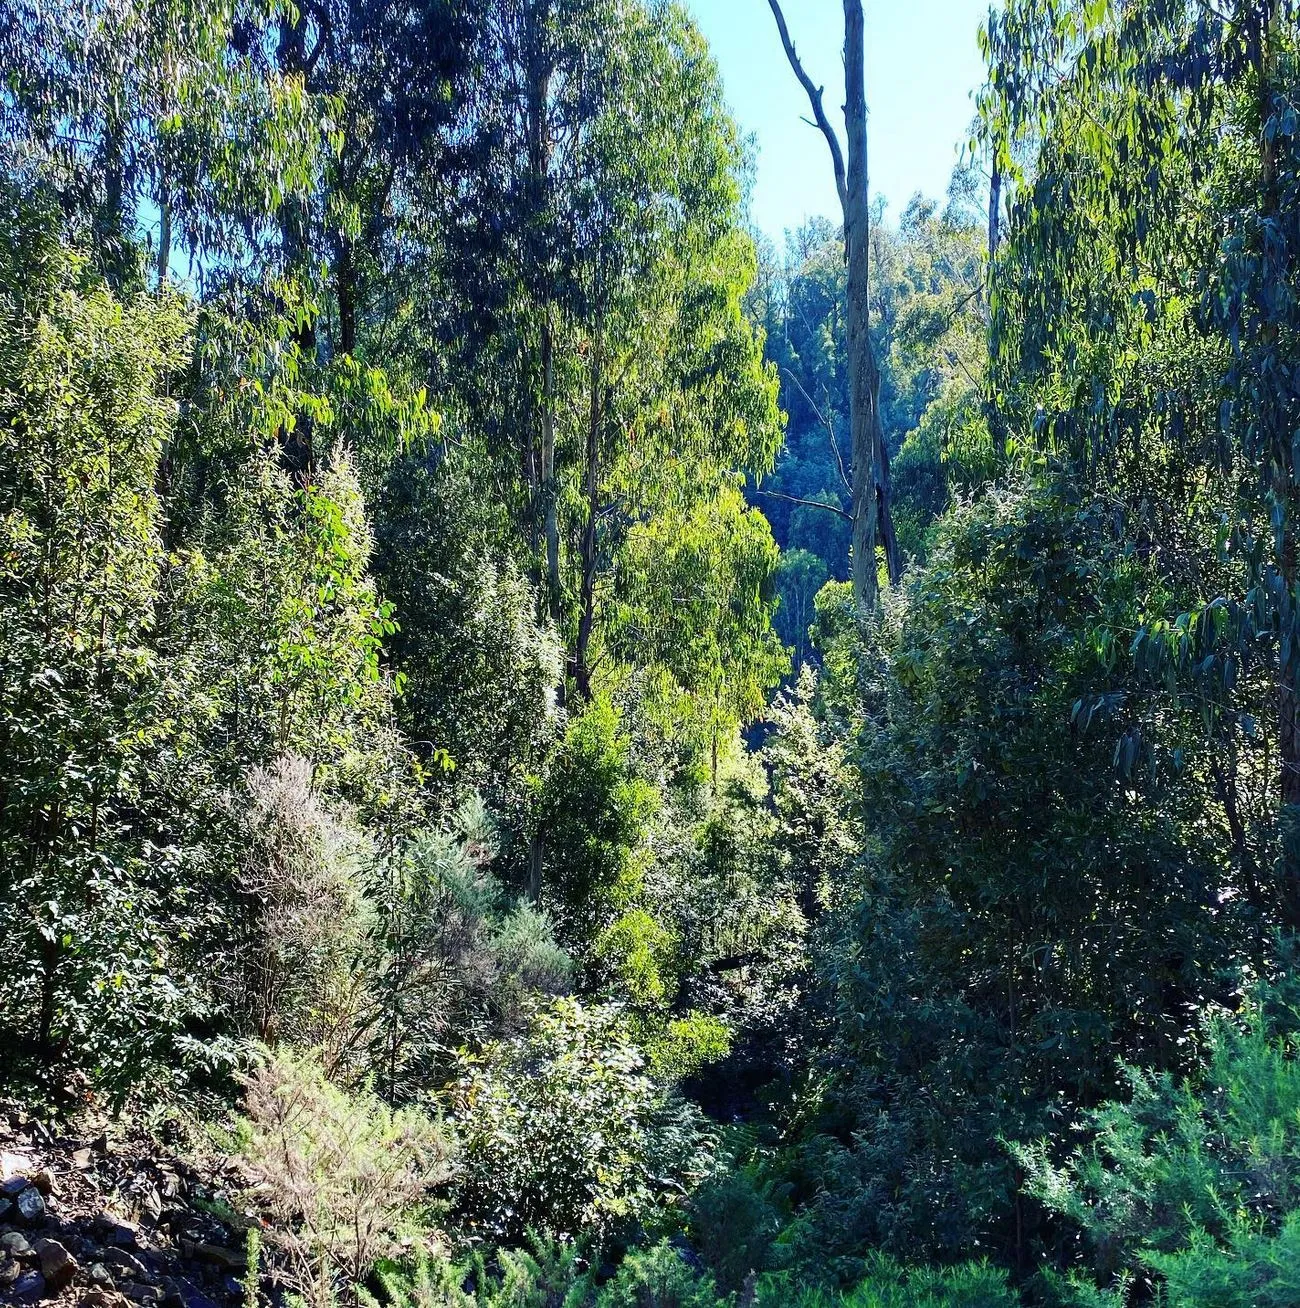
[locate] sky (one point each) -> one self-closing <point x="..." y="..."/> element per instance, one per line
<point x="923" y="65"/>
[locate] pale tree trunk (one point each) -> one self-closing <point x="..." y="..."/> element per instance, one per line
<point x="995" y="212"/>
<point x="587" y="612"/>
<point x="864" y="382"/>
<point x="871" y="513"/>
<point x="550" y="491"/>
<point x="545" y="506"/>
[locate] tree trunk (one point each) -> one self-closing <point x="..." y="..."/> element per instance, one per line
<point x="298" y="447"/>
<point x="884" y="490"/>
<point x="587" y="615"/>
<point x="863" y="381"/>
<point x="164" y="239"/>
<point x="995" y="212"/>
<point x="346" y="290"/>
<point x="550" y="492"/>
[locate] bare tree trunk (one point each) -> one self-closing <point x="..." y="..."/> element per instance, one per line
<point x="345" y="287"/>
<point x="870" y="491"/>
<point x="884" y="502"/>
<point x="549" y="489"/>
<point x="587" y="614"/>
<point x="164" y="239"/>
<point x="864" y="383"/>
<point x="995" y="212"/>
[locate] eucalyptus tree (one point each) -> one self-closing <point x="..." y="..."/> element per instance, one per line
<point x="871" y="511"/>
<point x="608" y="363"/>
<point x="171" y="112"/>
<point x="1145" y="329"/>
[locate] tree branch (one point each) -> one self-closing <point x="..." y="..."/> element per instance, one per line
<point x="825" y="422"/>
<point x="808" y="504"/>
<point x="815" y="99"/>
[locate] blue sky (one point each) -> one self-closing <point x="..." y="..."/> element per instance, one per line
<point x="923" y="64"/>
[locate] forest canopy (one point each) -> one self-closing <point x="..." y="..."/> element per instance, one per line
<point x="555" y="753"/>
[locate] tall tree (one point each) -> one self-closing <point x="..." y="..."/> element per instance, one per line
<point x="871" y="508"/>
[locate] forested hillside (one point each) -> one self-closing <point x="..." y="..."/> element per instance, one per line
<point x="555" y="754"/>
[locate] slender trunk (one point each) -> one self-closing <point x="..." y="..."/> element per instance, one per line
<point x="995" y="212"/>
<point x="536" y="859"/>
<point x="346" y="290"/>
<point x="298" y="446"/>
<point x="863" y="382"/>
<point x="164" y="238"/>
<point x="550" y="493"/>
<point x="884" y="490"/>
<point x="587" y="616"/>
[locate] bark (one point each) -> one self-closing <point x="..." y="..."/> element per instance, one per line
<point x="995" y="213"/>
<point x="870" y="491"/>
<point x="587" y="614"/>
<point x="164" y="240"/>
<point x="550" y="495"/>
<point x="346" y="289"/>
<point x="864" y="383"/>
<point x="884" y="503"/>
<point x="298" y="446"/>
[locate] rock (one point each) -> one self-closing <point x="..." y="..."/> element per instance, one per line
<point x="99" y="1296"/>
<point x="29" y="1287"/>
<point x="112" y="1230"/>
<point x="14" y="1185"/>
<point x="124" y="1267"/>
<point x="100" y="1275"/>
<point x="15" y="1244"/>
<point x="232" y="1287"/>
<point x="216" y="1254"/>
<point x="146" y="1294"/>
<point x="10" y="1270"/>
<point x="12" y="1165"/>
<point x="100" y="1144"/>
<point x="6" y="1206"/>
<point x="58" y="1266"/>
<point x="82" y="1160"/>
<point x="187" y="1295"/>
<point x="31" y="1206"/>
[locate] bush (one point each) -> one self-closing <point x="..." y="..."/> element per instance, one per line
<point x="462" y="962"/>
<point x="888" y="1285"/>
<point x="1194" y="1183"/>
<point x="556" y="1128"/>
<point x="301" y="979"/>
<point x="338" y="1174"/>
<point x="658" y="1278"/>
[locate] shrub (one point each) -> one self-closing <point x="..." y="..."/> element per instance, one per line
<point x="300" y="979"/>
<point x="1194" y="1183"/>
<point x="338" y="1174"/>
<point x="549" y="1274"/>
<point x="658" y="1278"/>
<point x="556" y="1128"/>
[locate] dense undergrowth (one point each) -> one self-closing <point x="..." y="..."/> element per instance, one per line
<point x="440" y="754"/>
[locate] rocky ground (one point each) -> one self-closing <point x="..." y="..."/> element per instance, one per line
<point x="107" y="1218"/>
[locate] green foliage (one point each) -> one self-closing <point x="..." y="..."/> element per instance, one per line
<point x="1195" y="1179"/>
<point x="341" y="1174"/>
<point x="91" y="882"/>
<point x="555" y="1128"/>
<point x="658" y="1277"/>
<point x="592" y="813"/>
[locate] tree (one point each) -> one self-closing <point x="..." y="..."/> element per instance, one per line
<point x="871" y="507"/>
